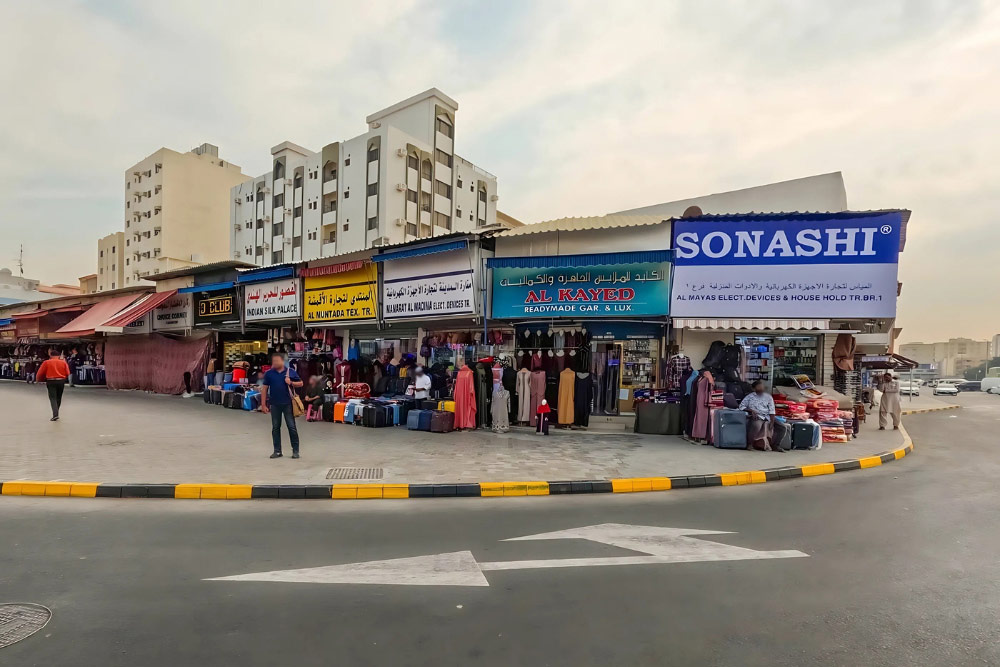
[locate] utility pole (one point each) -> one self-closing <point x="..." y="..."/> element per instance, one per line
<point x="20" y="261"/>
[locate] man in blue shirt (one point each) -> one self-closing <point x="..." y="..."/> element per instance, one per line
<point x="276" y="398"/>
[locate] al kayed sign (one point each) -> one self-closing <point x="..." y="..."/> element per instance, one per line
<point x="797" y="266"/>
<point x="275" y="300"/>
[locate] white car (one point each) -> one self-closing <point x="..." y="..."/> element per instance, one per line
<point x="909" y="389"/>
<point x="993" y="390"/>
<point x="943" y="388"/>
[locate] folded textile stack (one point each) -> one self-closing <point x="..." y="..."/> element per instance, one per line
<point x="822" y="409"/>
<point x="791" y="410"/>
<point x="716" y="399"/>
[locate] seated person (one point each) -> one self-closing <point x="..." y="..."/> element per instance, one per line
<point x="759" y="407"/>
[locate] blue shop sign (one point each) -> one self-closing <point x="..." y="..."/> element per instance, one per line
<point x="622" y="290"/>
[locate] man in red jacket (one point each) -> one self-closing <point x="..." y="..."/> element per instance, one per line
<point x="53" y="372"/>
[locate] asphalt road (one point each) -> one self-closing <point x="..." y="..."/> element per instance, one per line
<point x="902" y="570"/>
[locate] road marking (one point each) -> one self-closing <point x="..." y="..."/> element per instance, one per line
<point x="460" y="568"/>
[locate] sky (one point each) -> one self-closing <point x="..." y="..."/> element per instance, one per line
<point x="579" y="108"/>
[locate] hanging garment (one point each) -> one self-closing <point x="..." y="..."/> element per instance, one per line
<point x="701" y="395"/>
<point x="537" y="362"/>
<point x="484" y="390"/>
<point x="524" y="406"/>
<point x="675" y="369"/>
<point x="509" y="382"/>
<point x="558" y="340"/>
<point x="465" y="399"/>
<point x="843" y="352"/>
<point x="611" y="389"/>
<point x="497" y="375"/>
<point x="537" y="393"/>
<point x="583" y="395"/>
<point x="559" y="361"/>
<point x="500" y="408"/>
<point x="567" y="390"/>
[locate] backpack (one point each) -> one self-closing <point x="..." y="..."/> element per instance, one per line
<point x="716" y="352"/>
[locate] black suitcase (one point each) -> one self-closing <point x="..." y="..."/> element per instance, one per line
<point x="368" y="416"/>
<point x="328" y="412"/>
<point x="380" y="417"/>
<point x="207" y="395"/>
<point x="216" y="396"/>
<point x="782" y="435"/>
<point x="233" y="400"/>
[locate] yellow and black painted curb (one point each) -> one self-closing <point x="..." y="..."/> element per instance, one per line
<point x="462" y="490"/>
<point x="920" y="411"/>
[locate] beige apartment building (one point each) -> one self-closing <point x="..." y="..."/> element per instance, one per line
<point x="950" y="358"/>
<point x="176" y="211"/>
<point x="111" y="262"/>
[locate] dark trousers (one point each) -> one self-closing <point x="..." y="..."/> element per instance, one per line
<point x="293" y="432"/>
<point x="55" y="388"/>
<point x="542" y="423"/>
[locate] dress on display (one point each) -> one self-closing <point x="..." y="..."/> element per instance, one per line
<point x="567" y="390"/>
<point x="484" y="389"/>
<point x="524" y="405"/>
<point x="700" y="395"/>
<point x="500" y="407"/>
<point x="583" y="394"/>
<point x="611" y="388"/>
<point x="537" y="393"/>
<point x="465" y="399"/>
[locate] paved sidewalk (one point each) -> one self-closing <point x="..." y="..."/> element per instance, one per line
<point x="145" y="438"/>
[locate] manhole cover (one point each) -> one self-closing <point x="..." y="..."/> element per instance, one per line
<point x="354" y="473"/>
<point x="21" y="620"/>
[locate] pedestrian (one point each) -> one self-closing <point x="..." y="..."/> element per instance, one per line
<point x="759" y="406"/>
<point x="421" y="383"/>
<point x="889" y="404"/>
<point x="53" y="372"/>
<point x="276" y="399"/>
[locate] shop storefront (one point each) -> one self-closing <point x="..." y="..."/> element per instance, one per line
<point x="272" y="306"/>
<point x="598" y="314"/>
<point x="341" y="299"/>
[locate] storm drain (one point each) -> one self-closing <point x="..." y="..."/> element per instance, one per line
<point x="19" y="621"/>
<point x="354" y="473"/>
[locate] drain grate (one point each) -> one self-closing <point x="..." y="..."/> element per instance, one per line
<point x="19" y="621"/>
<point x="354" y="473"/>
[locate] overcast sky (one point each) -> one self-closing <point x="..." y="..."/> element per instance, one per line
<point x="579" y="108"/>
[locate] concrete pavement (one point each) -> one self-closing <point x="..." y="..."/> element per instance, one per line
<point x="143" y="438"/>
<point x="901" y="570"/>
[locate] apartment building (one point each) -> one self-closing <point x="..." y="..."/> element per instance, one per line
<point x="176" y="211"/>
<point x="401" y="180"/>
<point x="950" y="358"/>
<point x="111" y="262"/>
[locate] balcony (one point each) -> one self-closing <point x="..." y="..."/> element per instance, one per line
<point x="329" y="249"/>
<point x="329" y="218"/>
<point x="330" y="186"/>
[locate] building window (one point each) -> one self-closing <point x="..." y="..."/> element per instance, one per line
<point x="101" y="253"/>
<point x="482" y="195"/>
<point x="442" y="157"/>
<point x="373" y="154"/>
<point x="412" y="162"/>
<point x="297" y="212"/>
<point x="347" y="194"/>
<point x="260" y="251"/>
<point x="331" y="206"/>
<point x="347" y="162"/>
<point x="425" y="201"/>
<point x="279" y="200"/>
<point x="411" y="229"/>
<point x="442" y="220"/>
<point x="411" y="195"/>
<point x="260" y="223"/>
<point x="128" y="242"/>
<point x="298" y="181"/>
<point x="297" y="242"/>
<point x="276" y="257"/>
<point x="100" y="270"/>
<point x="372" y="189"/>
<point x="156" y="231"/>
<point x="442" y="189"/>
<point x="112" y="285"/>
<point x="126" y="261"/>
<point x="278" y="229"/>
<point x="459" y="182"/>
<point x="346" y="227"/>
<point x="470" y="216"/>
<point x="458" y="213"/>
<point x="425" y="169"/>
<point x="445" y="129"/>
<point x="260" y="195"/>
<point x="329" y="172"/>
<point x="333" y="236"/>
<point x="372" y="223"/>
<point x="158" y="168"/>
<point x="114" y="267"/>
<point x="279" y="170"/>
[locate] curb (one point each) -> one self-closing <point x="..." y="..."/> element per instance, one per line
<point x="460" y="490"/>
<point x="920" y="411"/>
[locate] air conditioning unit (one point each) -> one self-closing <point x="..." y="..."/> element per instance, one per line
<point x="267" y="189"/>
<point x="380" y="241"/>
<point x="494" y="198"/>
<point x="287" y="241"/>
<point x="400" y="152"/>
<point x="288" y="212"/>
<point x="399" y="222"/>
<point x="267" y="218"/>
<point x="237" y="254"/>
<point x="400" y="187"/>
<point x="267" y="246"/>
<point x="238" y="227"/>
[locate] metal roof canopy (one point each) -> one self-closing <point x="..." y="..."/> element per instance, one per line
<point x="595" y="259"/>
<point x="587" y="222"/>
<point x="421" y="251"/>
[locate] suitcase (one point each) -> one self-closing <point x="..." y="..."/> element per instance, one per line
<point x="338" y="411"/>
<point x="782" y="435"/>
<point x="383" y="416"/>
<point x="730" y="429"/>
<point x="231" y="386"/>
<point x="207" y="394"/>
<point x="806" y="435"/>
<point x="368" y="415"/>
<point x="349" y="411"/>
<point x="427" y="404"/>
<point x="442" y="421"/>
<point x="413" y="420"/>
<point x="251" y="400"/>
<point x="425" y="420"/>
<point x="216" y="395"/>
<point x="446" y="405"/>
<point x="393" y="413"/>
<point x="227" y="378"/>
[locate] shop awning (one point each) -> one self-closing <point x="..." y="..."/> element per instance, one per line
<point x="594" y="259"/>
<point x="138" y="309"/>
<point x="266" y="274"/>
<point x="87" y="323"/>
<point x="5" y="322"/>
<point x="41" y="312"/>
<point x="423" y="250"/>
<point x="818" y="326"/>
<point x="888" y="361"/>
<point x="211" y="287"/>
<point x="331" y="269"/>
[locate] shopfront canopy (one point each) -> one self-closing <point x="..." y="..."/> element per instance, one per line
<point x="815" y="326"/>
<point x="421" y="251"/>
<point x="87" y="323"/>
<point x="137" y="310"/>
<point x="593" y="259"/>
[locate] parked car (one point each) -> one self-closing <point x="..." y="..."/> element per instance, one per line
<point x="995" y="389"/>
<point x="971" y="385"/>
<point x="944" y="389"/>
<point x="907" y="388"/>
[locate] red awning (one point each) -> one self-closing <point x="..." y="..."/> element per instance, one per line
<point x="138" y="309"/>
<point x="85" y="324"/>
<point x="33" y="314"/>
<point x="331" y="269"/>
<point x="69" y="309"/>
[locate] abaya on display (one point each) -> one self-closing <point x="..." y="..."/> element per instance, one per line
<point x="500" y="407"/>
<point x="583" y="394"/>
<point x="537" y="393"/>
<point x="524" y="405"/>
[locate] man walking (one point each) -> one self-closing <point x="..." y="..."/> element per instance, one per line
<point x="53" y="372"/>
<point x="889" y="403"/>
<point x="276" y="399"/>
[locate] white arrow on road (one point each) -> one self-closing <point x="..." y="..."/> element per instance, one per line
<point x="460" y="568"/>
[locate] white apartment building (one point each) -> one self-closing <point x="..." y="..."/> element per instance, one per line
<point x="176" y="208"/>
<point x="401" y="180"/>
<point x="111" y="262"/>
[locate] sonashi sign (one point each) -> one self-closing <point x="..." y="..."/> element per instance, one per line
<point x="590" y="291"/>
<point x="767" y="267"/>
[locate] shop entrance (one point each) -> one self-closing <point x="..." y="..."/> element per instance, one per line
<point x="778" y="359"/>
<point x="620" y="368"/>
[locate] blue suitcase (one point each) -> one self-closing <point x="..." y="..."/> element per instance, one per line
<point x="393" y="409"/>
<point x="413" y="420"/>
<point x="349" y="412"/>
<point x="425" y="419"/>
<point x="251" y="400"/>
<point x="729" y="429"/>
